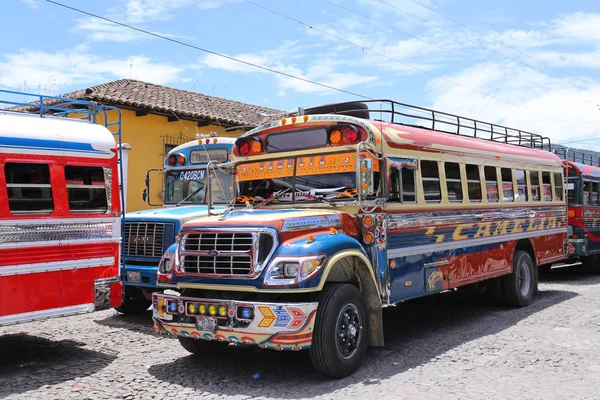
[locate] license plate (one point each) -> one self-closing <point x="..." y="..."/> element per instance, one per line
<point x="133" y="276"/>
<point x="206" y="324"/>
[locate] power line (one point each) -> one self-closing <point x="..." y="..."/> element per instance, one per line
<point x="479" y="44"/>
<point x="363" y="48"/>
<point x="502" y="44"/>
<point x="456" y="53"/>
<point x="206" y="50"/>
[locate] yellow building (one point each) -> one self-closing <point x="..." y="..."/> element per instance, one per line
<point x="158" y="118"/>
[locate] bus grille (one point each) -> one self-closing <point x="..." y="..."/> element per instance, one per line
<point x="147" y="239"/>
<point x="223" y="253"/>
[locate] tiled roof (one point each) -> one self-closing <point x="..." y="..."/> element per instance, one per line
<point x="165" y="100"/>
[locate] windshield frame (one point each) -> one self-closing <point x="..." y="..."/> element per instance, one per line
<point x="351" y="168"/>
<point x="223" y="179"/>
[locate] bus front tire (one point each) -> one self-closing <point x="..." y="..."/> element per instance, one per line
<point x="134" y="301"/>
<point x="519" y="287"/>
<point x="200" y="347"/>
<point x="341" y="331"/>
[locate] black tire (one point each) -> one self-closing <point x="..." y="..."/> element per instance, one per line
<point x="200" y="347"/>
<point x="134" y="301"/>
<point x="337" y="349"/>
<point x="519" y="287"/>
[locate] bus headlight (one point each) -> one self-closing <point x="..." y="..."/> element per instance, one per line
<point x="290" y="271"/>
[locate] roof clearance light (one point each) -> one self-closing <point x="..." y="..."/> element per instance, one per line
<point x="335" y="137"/>
<point x="350" y="135"/>
<point x="172" y="160"/>
<point x="181" y="159"/>
<point x="256" y="147"/>
<point x="244" y="148"/>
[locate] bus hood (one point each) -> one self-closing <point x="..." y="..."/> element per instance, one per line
<point x="286" y="220"/>
<point x="181" y="214"/>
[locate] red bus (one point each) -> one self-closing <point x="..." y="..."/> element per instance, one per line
<point x="60" y="209"/>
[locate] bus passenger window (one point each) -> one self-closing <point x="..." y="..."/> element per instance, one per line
<point x="547" y="186"/>
<point x="535" y="185"/>
<point x="29" y="189"/>
<point x="453" y="183"/>
<point x="491" y="184"/>
<point x="558" y="186"/>
<point x="594" y="199"/>
<point x="521" y="185"/>
<point x="508" y="192"/>
<point x="586" y="192"/>
<point x="407" y="186"/>
<point x="473" y="183"/>
<point x="86" y="189"/>
<point x="430" y="176"/>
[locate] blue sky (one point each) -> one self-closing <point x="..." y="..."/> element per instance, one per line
<point x="533" y="65"/>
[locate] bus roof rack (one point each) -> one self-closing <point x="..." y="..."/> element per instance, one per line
<point x="577" y="155"/>
<point x="406" y="114"/>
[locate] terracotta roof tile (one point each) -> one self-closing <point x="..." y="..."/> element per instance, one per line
<point x="163" y="99"/>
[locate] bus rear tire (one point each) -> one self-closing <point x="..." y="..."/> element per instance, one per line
<point x="519" y="287"/>
<point x="200" y="347"/>
<point x="341" y="331"/>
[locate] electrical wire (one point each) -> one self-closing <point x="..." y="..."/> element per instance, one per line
<point x="367" y="49"/>
<point x="504" y="45"/>
<point x="461" y="55"/>
<point x="478" y="44"/>
<point x="207" y="51"/>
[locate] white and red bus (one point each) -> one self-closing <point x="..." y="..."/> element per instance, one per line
<point x="60" y="211"/>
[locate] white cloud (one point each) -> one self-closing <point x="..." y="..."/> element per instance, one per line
<point x="31" y="3"/>
<point x="51" y="71"/>
<point x="101" y="30"/>
<point x="578" y="26"/>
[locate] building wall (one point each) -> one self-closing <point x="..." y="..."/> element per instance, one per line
<point x="146" y="136"/>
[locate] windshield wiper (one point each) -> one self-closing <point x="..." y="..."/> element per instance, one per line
<point x="191" y="195"/>
<point x="323" y="200"/>
<point x="275" y="196"/>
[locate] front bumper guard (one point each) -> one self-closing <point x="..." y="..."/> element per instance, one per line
<point x="278" y="326"/>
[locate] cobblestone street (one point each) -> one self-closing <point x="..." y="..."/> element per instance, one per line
<point x="444" y="346"/>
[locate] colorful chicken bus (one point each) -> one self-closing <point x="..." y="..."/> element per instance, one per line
<point x="60" y="209"/>
<point x="149" y="233"/>
<point x="352" y="207"/>
<point x="582" y="172"/>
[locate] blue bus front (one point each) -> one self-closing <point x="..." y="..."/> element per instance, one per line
<point x="147" y="234"/>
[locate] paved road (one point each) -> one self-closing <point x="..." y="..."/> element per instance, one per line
<point x="447" y="345"/>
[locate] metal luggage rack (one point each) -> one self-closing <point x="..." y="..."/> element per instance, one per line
<point x="406" y="114"/>
<point x="578" y="155"/>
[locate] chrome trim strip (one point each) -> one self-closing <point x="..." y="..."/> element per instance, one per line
<point x="57" y="266"/>
<point x="39" y="231"/>
<point x="45" y="314"/>
<point x="91" y="242"/>
<point x="427" y="219"/>
<point x="437" y="247"/>
<point x="325" y="221"/>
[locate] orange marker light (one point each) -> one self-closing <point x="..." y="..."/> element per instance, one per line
<point x="293" y="120"/>
<point x="364" y="186"/>
<point x="305" y="118"/>
<point x="215" y="140"/>
<point x="283" y="121"/>
<point x="571" y="213"/>
<point x="368" y="221"/>
<point x="393" y="264"/>
<point x="256" y="147"/>
<point x="181" y="160"/>
<point x="333" y="231"/>
<point x="310" y="239"/>
<point x="498" y="156"/>
<point x="369" y="238"/>
<point x="335" y="136"/>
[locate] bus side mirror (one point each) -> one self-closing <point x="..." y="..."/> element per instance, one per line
<point x="365" y="177"/>
<point x="145" y="194"/>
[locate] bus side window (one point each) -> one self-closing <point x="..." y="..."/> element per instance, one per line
<point x="491" y="183"/>
<point x="558" y="186"/>
<point x="521" y="185"/>
<point x="594" y="199"/>
<point x="473" y="183"/>
<point x="86" y="189"/>
<point x="430" y="176"/>
<point x="535" y="185"/>
<point x="508" y="191"/>
<point x="29" y="188"/>
<point x="453" y="183"/>
<point x="402" y="186"/>
<point x="547" y="186"/>
<point x="586" y="192"/>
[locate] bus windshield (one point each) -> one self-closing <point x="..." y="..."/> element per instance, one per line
<point x="326" y="178"/>
<point x="189" y="187"/>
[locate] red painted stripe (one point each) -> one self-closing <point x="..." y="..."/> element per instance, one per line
<point x="42" y="254"/>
